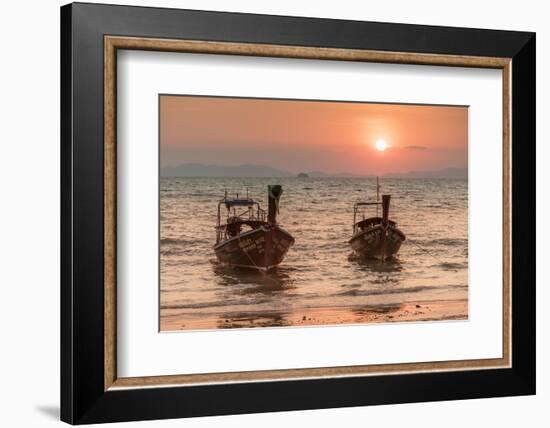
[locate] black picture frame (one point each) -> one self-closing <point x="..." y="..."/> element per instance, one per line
<point x="83" y="398"/>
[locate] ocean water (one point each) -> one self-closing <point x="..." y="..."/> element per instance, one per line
<point x="320" y="270"/>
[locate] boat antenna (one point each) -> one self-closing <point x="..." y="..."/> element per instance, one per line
<point x="377" y="194"/>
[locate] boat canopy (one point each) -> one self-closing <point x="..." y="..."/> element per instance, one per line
<point x="229" y="203"/>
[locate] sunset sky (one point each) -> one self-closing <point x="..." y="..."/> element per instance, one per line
<point x="294" y="136"/>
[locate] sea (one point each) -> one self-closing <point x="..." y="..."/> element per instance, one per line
<point x="320" y="270"/>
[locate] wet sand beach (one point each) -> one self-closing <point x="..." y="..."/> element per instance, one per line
<point x="436" y="310"/>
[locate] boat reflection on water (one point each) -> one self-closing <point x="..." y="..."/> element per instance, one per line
<point x="252" y="281"/>
<point x="390" y="265"/>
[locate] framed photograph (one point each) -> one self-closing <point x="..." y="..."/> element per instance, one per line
<point x="265" y="213"/>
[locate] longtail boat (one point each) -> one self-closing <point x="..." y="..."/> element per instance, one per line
<point x="246" y="238"/>
<point x="375" y="237"/>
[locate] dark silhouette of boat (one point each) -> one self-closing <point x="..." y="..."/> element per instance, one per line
<point x="375" y="237"/>
<point x="246" y="238"/>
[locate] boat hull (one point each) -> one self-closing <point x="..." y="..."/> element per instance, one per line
<point x="262" y="249"/>
<point x="377" y="242"/>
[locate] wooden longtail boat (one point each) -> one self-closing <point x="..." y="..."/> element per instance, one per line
<point x="375" y="237"/>
<point x="246" y="238"/>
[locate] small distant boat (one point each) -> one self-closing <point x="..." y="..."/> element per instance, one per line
<point x="375" y="237"/>
<point x="246" y="238"/>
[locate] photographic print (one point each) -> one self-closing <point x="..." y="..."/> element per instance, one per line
<point x="295" y="213"/>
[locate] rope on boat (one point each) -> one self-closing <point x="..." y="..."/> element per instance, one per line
<point x="429" y="253"/>
<point x="246" y="252"/>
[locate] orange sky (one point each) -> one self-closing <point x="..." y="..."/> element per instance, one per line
<point x="295" y="136"/>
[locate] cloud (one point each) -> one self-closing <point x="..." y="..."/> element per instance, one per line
<point x="416" y="147"/>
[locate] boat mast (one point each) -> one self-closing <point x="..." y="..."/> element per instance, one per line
<point x="218" y="232"/>
<point x="377" y="194"/>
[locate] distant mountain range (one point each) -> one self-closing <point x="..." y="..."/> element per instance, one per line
<point x="248" y="170"/>
<point x="200" y="170"/>
<point x="251" y="170"/>
<point x="461" y="173"/>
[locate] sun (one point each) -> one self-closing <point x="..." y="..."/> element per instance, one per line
<point x="381" y="145"/>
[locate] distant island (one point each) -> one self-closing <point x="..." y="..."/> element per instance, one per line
<point x="264" y="171"/>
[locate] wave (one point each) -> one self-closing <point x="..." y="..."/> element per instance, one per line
<point x="400" y="290"/>
<point x="216" y="304"/>
<point x="176" y="252"/>
<point x="180" y="241"/>
<point x="451" y="242"/>
<point x="452" y="266"/>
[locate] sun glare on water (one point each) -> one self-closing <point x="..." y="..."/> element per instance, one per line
<point x="381" y="145"/>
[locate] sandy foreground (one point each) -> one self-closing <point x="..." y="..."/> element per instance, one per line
<point x="437" y="310"/>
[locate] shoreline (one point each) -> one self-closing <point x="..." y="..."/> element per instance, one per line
<point x="431" y="310"/>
